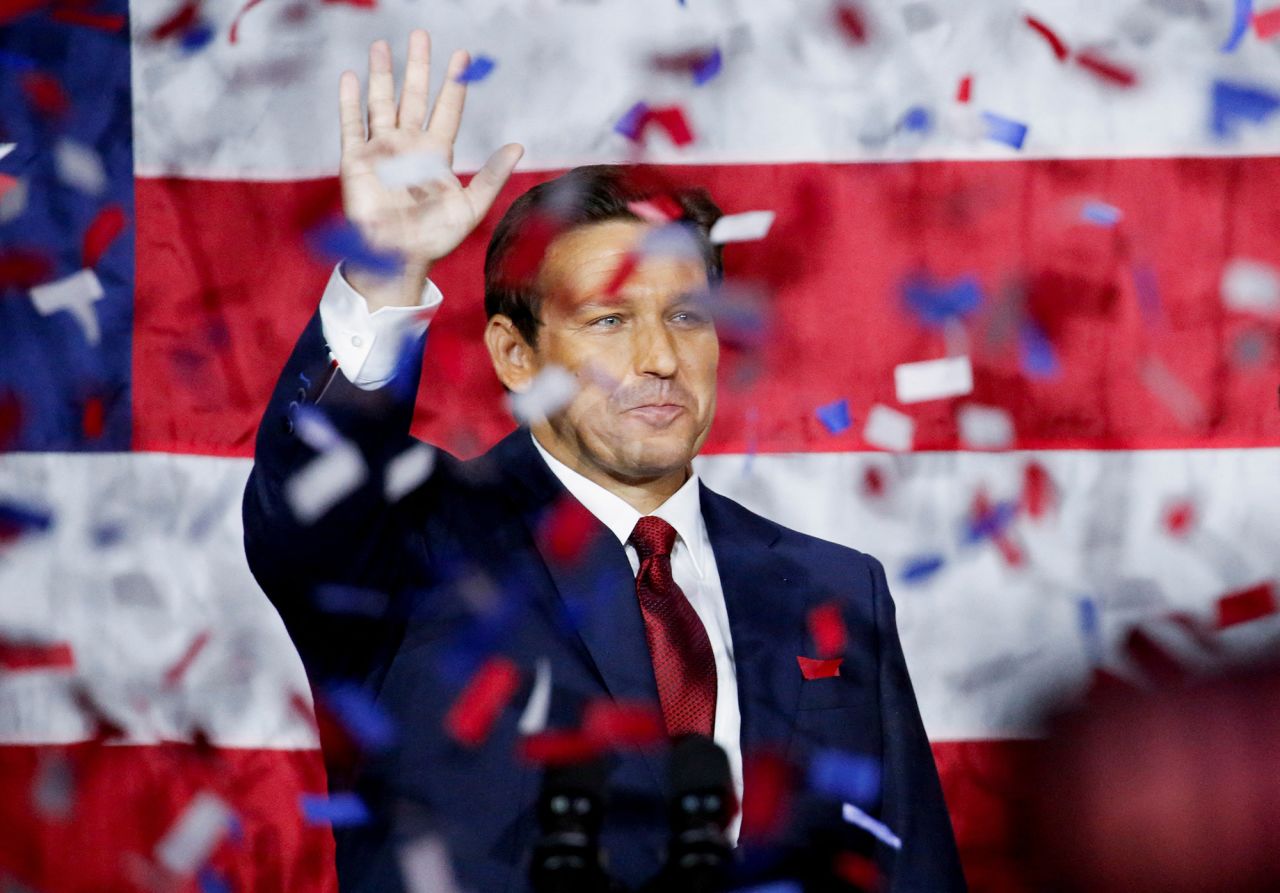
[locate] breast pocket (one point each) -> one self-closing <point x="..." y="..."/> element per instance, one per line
<point x="829" y="693"/>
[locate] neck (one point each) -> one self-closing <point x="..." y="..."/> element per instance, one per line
<point x="644" y="495"/>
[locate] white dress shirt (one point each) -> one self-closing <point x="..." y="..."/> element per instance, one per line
<point x="367" y="345"/>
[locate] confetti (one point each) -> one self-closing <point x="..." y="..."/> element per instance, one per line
<point x="174" y="674"/>
<point x="661" y="209"/>
<point x="623" y="724"/>
<point x="557" y="747"/>
<point x="826" y="628"/>
<point x="921" y="568"/>
<point x="984" y="427"/>
<point x="1090" y="631"/>
<point x="889" y="429"/>
<point x="745" y="227"/>
<point x="964" y="90"/>
<point x="1234" y="103"/>
<point x="342" y="810"/>
<point x="835" y="416"/>
<point x="1035" y="352"/>
<point x="1267" y="24"/>
<point x="1180" y="518"/>
<point x="1239" y="26"/>
<point x="917" y="120"/>
<point x="6" y="148"/>
<point x="361" y="716"/>
<point x="54" y="790"/>
<point x="477" y="70"/>
<point x="1106" y="70"/>
<point x="936" y="303"/>
<point x="1246" y="605"/>
<point x="191" y="839"/>
<point x="845" y="776"/>
<point x="1100" y="213"/>
<point x="408" y="471"/>
<point x="933" y="379"/>
<point x="538" y="707"/>
<point x="325" y="481"/>
<point x="877" y="829"/>
<point x="1004" y="130"/>
<point x="80" y="167"/>
<point x="211" y="881"/>
<point x="1055" y="42"/>
<point x="707" y="67"/>
<point x="550" y="391"/>
<point x="859" y="871"/>
<point x="426" y="867"/>
<point x="813" y="668"/>
<point x="17" y="655"/>
<point x="477" y="707"/>
<point x="336" y="240"/>
<point x="411" y="169"/>
<point x="105" y="228"/>
<point x="234" y="34"/>
<point x="852" y="23"/>
<point x="567" y="529"/>
<point x="46" y="93"/>
<point x="13" y="197"/>
<point x="670" y="119"/>
<point x="75" y="293"/>
<point x="1037" y="490"/>
<point x="1250" y="286"/>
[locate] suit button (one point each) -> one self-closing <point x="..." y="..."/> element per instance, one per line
<point x="356" y="341"/>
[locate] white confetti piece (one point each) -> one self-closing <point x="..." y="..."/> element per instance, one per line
<point x="407" y="471"/>
<point x="889" y="429"/>
<point x="412" y="169"/>
<point x="933" y="379"/>
<point x="985" y="427"/>
<point x="536" y="710"/>
<point x="745" y="227"/>
<point x="325" y="481"/>
<point x="426" y="867"/>
<point x="1250" y="286"/>
<point x="80" y="167"/>
<point x="6" y="148"/>
<point x="192" y="837"/>
<point x="75" y="293"/>
<point x="876" y="828"/>
<point x="550" y="391"/>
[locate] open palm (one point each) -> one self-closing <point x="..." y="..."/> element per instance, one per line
<point x="429" y="217"/>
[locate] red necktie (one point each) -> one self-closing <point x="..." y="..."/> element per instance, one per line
<point x="683" y="662"/>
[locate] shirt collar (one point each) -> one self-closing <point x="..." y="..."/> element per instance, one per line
<point x="682" y="510"/>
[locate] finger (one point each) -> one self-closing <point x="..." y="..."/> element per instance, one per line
<point x="417" y="81"/>
<point x="447" y="114"/>
<point x="489" y="180"/>
<point x="349" y="121"/>
<point x="382" y="89"/>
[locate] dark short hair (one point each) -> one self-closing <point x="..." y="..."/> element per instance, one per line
<point x="582" y="196"/>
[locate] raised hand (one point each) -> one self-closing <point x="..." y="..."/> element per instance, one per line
<point x="425" y="220"/>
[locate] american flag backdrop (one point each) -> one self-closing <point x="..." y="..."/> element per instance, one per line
<point x="1075" y="203"/>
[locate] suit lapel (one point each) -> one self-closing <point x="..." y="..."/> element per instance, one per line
<point x="767" y="634"/>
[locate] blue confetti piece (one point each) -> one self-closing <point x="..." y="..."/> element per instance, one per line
<point x="211" y="881"/>
<point x="835" y="416"/>
<point x="342" y="810"/>
<point x="876" y="828"/>
<point x="1144" y="282"/>
<point x="197" y="36"/>
<point x="1240" y="26"/>
<point x="1100" y="213"/>
<point x="479" y="69"/>
<point x="845" y="776"/>
<point x="991" y="523"/>
<point x="921" y="568"/>
<point x="1036" y="353"/>
<point x="935" y="303"/>
<point x="775" y="887"/>
<point x="917" y="119"/>
<point x="1090" y="630"/>
<point x="338" y="239"/>
<point x="18" y="518"/>
<point x="707" y="67"/>
<point x="1233" y="103"/>
<point x="1004" y="130"/>
<point x="360" y="715"/>
<point x="629" y="124"/>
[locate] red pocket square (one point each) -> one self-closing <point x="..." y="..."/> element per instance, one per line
<point x="812" y="668"/>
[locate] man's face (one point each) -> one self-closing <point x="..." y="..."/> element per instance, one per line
<point x="645" y="356"/>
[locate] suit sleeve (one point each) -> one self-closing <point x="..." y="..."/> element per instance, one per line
<point x="333" y="575"/>
<point x="911" y="795"/>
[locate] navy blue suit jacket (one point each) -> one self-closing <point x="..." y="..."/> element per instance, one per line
<point x="462" y="568"/>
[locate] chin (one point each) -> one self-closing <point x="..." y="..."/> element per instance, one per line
<point x="656" y="455"/>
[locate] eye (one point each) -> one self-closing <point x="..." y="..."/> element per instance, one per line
<point x="611" y="321"/>
<point x="689" y="317"/>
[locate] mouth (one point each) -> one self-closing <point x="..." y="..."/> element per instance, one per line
<point x="656" y="414"/>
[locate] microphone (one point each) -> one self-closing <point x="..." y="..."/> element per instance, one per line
<point x="699" y="857"/>
<point x="567" y="856"/>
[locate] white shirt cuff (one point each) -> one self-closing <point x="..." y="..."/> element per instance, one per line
<point x="367" y="345"/>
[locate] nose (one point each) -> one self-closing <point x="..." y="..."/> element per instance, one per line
<point x="655" y="351"/>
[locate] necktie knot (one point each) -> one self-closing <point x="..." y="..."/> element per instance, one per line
<point x="653" y="536"/>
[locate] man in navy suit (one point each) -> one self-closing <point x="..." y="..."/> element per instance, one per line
<point x="581" y="550"/>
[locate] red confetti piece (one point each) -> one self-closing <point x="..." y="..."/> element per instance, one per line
<point x="106" y="226"/>
<point x="477" y="708"/>
<point x="16" y="656"/>
<point x="672" y="120"/>
<point x="1267" y="24"/>
<point x="659" y="209"/>
<point x="1106" y="70"/>
<point x="174" y="674"/>
<point x="12" y="10"/>
<point x="826" y="627"/>
<point x="10" y="419"/>
<point x="819" y="669"/>
<point x="301" y="705"/>
<point x="6" y="183"/>
<point x="1059" y="46"/>
<point x="1037" y="490"/>
<point x="358" y="4"/>
<point x="766" y="795"/>
<point x="558" y="747"/>
<point x="524" y="258"/>
<point x="1009" y="551"/>
<point x="567" y="529"/>
<point x="178" y="23"/>
<point x="623" y="724"/>
<point x="100" y="21"/>
<point x="1180" y="517"/>
<point x="859" y="871"/>
<point x="1246" y="605"/>
<point x="94" y="418"/>
<point x="22" y="268"/>
<point x="873" y="484"/>
<point x="964" y="92"/>
<point x="620" y="276"/>
<point x="852" y="23"/>
<point x="45" y="92"/>
<point x="1155" y="662"/>
<point x="235" y="24"/>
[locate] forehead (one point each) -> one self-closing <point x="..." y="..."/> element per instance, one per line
<point x="581" y="263"/>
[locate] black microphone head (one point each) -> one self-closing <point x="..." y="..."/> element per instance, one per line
<point x="701" y="783"/>
<point x="567" y="856"/>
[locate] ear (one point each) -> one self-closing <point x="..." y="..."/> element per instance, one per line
<point x="514" y="361"/>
